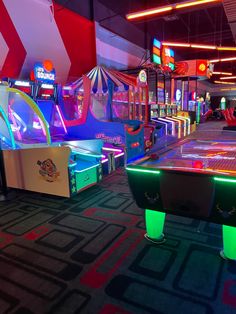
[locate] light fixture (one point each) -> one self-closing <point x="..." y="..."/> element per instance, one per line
<point x="199" y="46"/>
<point x="143" y="170"/>
<point x="225" y="180"/>
<point x="159" y="10"/>
<point x="176" y="44"/>
<point x="222" y="73"/>
<point x="227" y="83"/>
<point x="194" y="3"/>
<point x="228" y="78"/>
<point x="227" y="48"/>
<point x="227" y="89"/>
<point x="223" y="60"/>
<point x="145" y="13"/>
<point x="202" y="46"/>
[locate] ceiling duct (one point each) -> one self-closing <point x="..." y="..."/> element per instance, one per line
<point x="230" y="11"/>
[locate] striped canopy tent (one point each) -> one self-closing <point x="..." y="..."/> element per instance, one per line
<point x="100" y="78"/>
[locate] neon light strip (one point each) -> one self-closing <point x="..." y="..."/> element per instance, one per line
<point x="62" y="121"/>
<point x="47" y="86"/>
<point x="143" y="170"/>
<point x="22" y="83"/>
<point x="189" y="122"/>
<point x="104" y="160"/>
<point x="154" y="11"/>
<point x="172" y="124"/>
<point x="19" y="137"/>
<point x="224" y="180"/>
<point x="222" y="73"/>
<point x="198" y="46"/>
<point x="157" y="10"/>
<point x="112" y="149"/>
<point x="79" y="171"/>
<point x="228" y="78"/>
<point x="119" y="155"/>
<point x="224" y="83"/>
<point x="86" y="154"/>
<point x="194" y="3"/>
<point x="162" y="122"/>
<point x="223" y="60"/>
<point x="179" y="127"/>
<point x="185" y="124"/>
<point x="13" y="143"/>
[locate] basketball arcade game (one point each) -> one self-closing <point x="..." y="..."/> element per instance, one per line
<point x="38" y="165"/>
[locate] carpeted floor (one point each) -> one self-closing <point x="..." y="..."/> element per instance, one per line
<point x="88" y="255"/>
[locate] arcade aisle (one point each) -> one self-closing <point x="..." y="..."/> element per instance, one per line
<point x="88" y="255"/>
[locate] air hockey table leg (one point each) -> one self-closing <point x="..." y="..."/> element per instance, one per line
<point x="155" y="221"/>
<point x="229" y="243"/>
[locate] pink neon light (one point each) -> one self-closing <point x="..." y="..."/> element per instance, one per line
<point x="42" y="126"/>
<point x="15" y="124"/>
<point x="62" y="121"/>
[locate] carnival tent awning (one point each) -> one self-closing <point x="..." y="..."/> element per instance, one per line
<point x="100" y="77"/>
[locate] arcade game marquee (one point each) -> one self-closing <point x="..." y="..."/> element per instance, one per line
<point x="168" y="183"/>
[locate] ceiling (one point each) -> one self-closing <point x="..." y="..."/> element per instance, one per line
<point x="208" y="25"/>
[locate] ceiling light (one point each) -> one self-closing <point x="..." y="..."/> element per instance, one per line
<point x="228" y="83"/>
<point x="199" y="46"/>
<point x="227" y="48"/>
<point x="158" y="10"/>
<point x="228" y="78"/>
<point x="175" y="44"/>
<point x="223" y="60"/>
<point x="227" y="89"/>
<point x="144" y="13"/>
<point x="194" y="3"/>
<point x="202" y="46"/>
<point x="222" y="73"/>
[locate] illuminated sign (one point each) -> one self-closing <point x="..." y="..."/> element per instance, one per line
<point x="44" y="72"/>
<point x="168" y="59"/>
<point x="109" y="139"/>
<point x="156" y="51"/>
<point x="193" y="96"/>
<point x="142" y="76"/>
<point x="178" y="94"/>
<point x="202" y="67"/>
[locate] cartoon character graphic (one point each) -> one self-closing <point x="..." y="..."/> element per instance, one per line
<point x="48" y="170"/>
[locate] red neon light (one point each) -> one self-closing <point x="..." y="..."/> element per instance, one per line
<point x="159" y="10"/>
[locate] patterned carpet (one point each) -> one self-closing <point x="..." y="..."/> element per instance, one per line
<point x="88" y="255"/>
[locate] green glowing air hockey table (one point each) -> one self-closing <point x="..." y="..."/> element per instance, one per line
<point x="195" y="178"/>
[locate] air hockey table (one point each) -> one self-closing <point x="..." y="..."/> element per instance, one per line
<point x="194" y="178"/>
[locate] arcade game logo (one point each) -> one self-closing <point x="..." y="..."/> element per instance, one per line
<point x="48" y="170"/>
<point x="44" y="72"/>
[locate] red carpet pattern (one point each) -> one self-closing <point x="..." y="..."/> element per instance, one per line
<point x="88" y="255"/>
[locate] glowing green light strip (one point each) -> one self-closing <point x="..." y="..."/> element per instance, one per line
<point x="143" y="170"/>
<point x="225" y="180"/>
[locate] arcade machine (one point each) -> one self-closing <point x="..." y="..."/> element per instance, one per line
<point x="96" y="116"/>
<point x="163" y="58"/>
<point x="45" y="95"/>
<point x="62" y="169"/>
